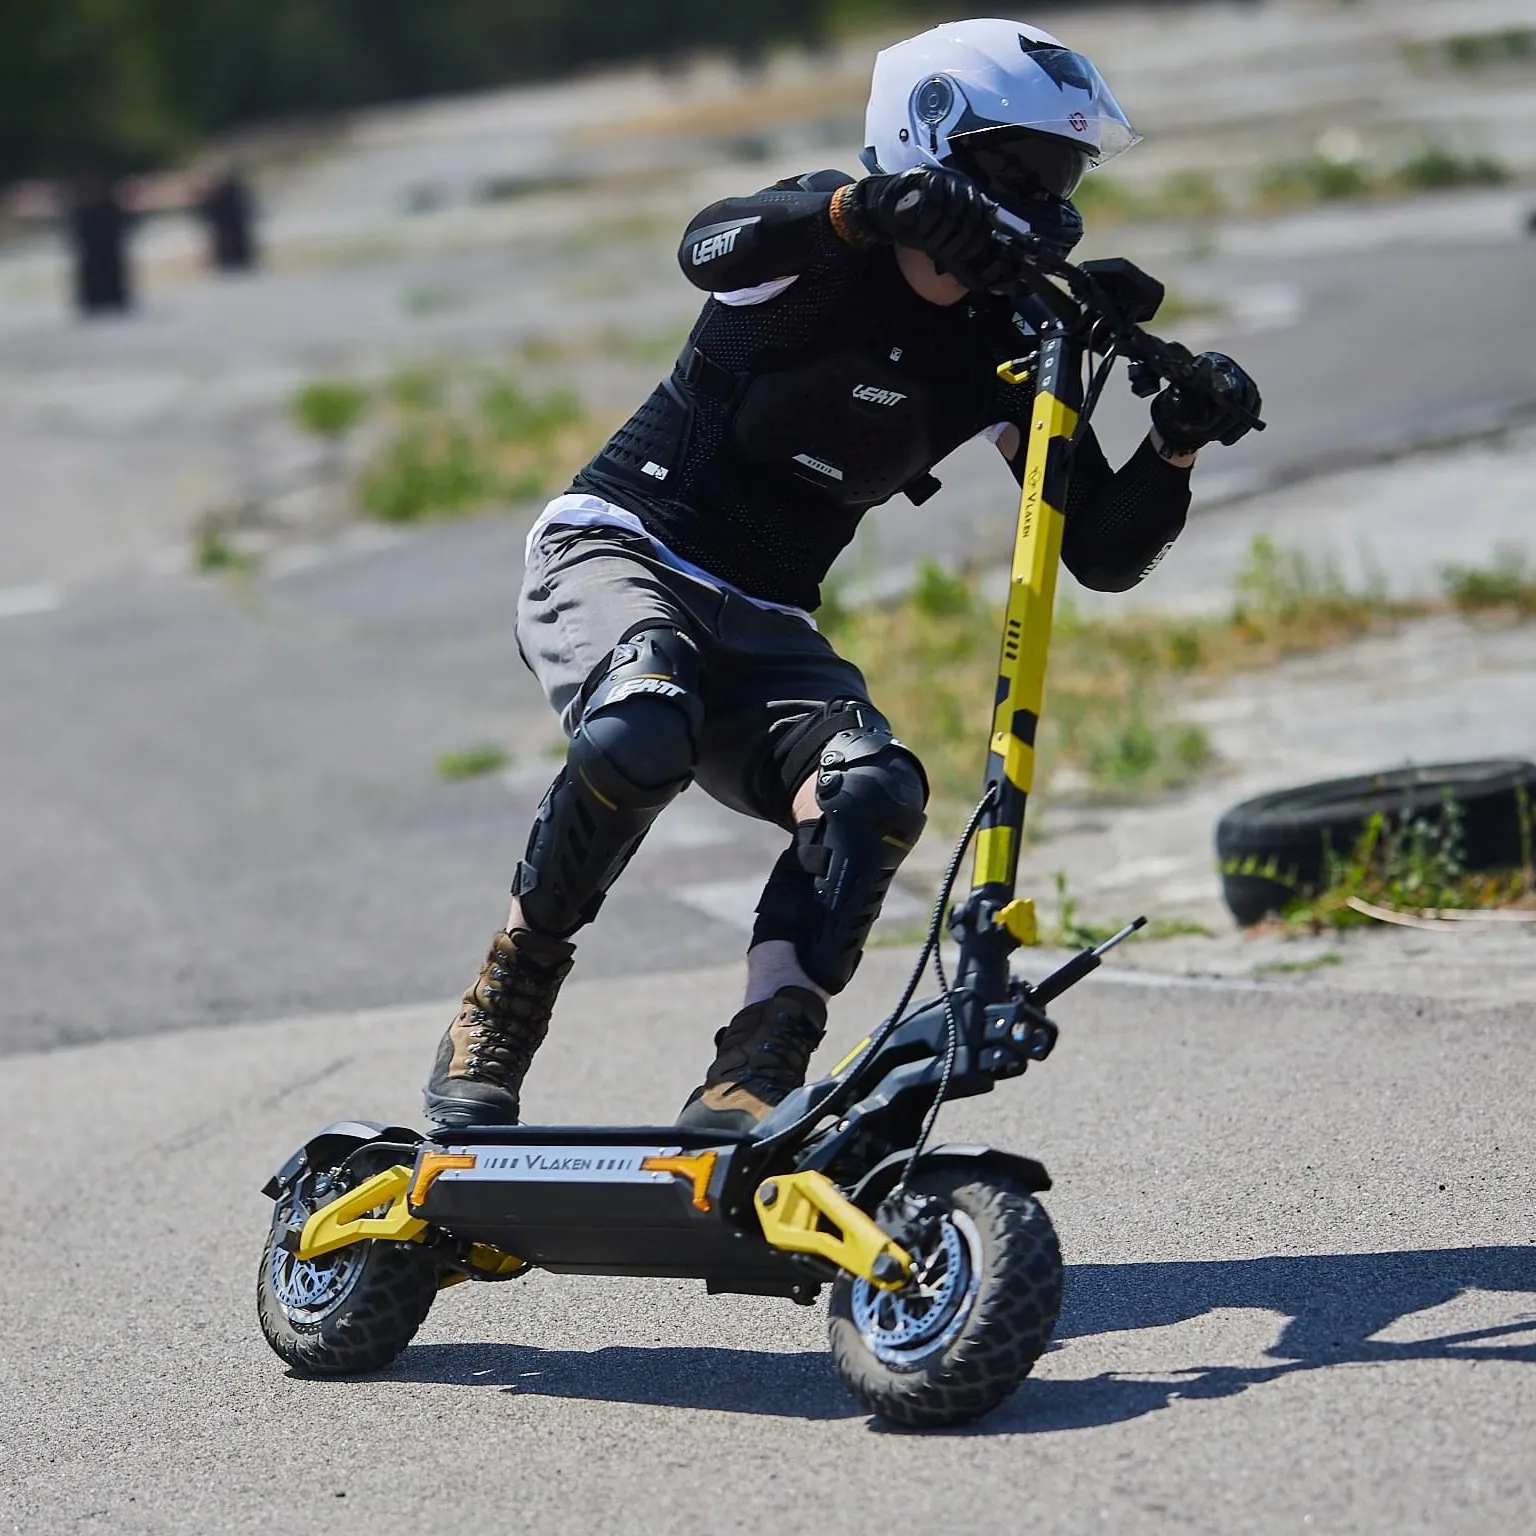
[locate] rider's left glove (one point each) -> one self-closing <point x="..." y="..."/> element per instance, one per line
<point x="1188" y="419"/>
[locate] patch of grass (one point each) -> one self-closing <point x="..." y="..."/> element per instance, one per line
<point x="1190" y="194"/>
<point x="1103" y="200"/>
<point x="472" y="762"/>
<point x="1111" y="716"/>
<point x="1175" y="928"/>
<point x="456" y="442"/>
<point x="428" y="469"/>
<point x="1320" y="962"/>
<point x="1321" y="178"/>
<point x="417" y="388"/>
<point x="328" y="408"/>
<point x="1314" y="179"/>
<point x="513" y="417"/>
<point x="1289" y="603"/>
<point x="1071" y="931"/>
<point x="1413" y="864"/>
<point x="1477" y="50"/>
<point x="1508" y="584"/>
<point x="1436" y="168"/>
<point x="214" y="555"/>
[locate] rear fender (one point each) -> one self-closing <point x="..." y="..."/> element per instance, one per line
<point x="881" y="1179"/>
<point x="338" y="1138"/>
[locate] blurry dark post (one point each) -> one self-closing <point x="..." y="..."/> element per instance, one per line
<point x="98" y="227"/>
<point x="229" y="211"/>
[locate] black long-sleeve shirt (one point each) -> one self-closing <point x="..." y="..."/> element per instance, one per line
<point x="816" y="384"/>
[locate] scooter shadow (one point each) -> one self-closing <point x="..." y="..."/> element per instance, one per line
<point x="1335" y="1305"/>
<point x="797" y="1386"/>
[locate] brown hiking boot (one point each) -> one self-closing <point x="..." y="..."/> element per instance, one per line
<point x="484" y="1056"/>
<point x="760" y="1060"/>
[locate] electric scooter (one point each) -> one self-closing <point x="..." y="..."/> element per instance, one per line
<point x="944" y="1269"/>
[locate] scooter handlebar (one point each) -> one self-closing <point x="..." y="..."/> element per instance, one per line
<point x="1073" y="298"/>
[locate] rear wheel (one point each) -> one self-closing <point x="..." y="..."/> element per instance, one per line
<point x="346" y="1312"/>
<point x="976" y="1315"/>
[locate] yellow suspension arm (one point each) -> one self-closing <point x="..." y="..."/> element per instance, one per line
<point x="806" y="1213"/>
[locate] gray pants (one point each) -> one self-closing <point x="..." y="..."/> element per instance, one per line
<point x="762" y="671"/>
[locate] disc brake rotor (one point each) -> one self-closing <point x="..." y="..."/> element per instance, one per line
<point x="311" y="1289"/>
<point x="901" y="1327"/>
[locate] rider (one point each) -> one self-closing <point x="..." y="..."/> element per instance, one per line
<point x="851" y="340"/>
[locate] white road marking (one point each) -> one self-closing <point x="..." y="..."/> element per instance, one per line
<point x="734" y="902"/>
<point x="15" y="602"/>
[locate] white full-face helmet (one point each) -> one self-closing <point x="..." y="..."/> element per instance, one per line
<point x="1011" y="106"/>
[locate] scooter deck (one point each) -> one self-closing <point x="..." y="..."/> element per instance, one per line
<point x="600" y="1200"/>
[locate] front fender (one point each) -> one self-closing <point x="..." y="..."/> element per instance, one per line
<point x="881" y="1179"/>
<point x="340" y="1135"/>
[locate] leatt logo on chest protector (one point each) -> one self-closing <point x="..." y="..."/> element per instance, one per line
<point x="877" y="396"/>
<point x="716" y="245"/>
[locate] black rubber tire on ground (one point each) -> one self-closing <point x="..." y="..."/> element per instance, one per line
<point x="386" y="1303"/>
<point x="1007" y="1328"/>
<point x="1272" y="850"/>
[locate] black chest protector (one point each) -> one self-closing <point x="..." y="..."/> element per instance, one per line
<point x="856" y="429"/>
<point x="785" y="421"/>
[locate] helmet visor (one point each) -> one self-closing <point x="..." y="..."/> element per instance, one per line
<point x="1062" y="101"/>
<point x="1014" y="166"/>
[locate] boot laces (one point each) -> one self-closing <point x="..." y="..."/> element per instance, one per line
<point x="507" y="1014"/>
<point x="774" y="1048"/>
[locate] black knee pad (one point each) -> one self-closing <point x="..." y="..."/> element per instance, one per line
<point x="633" y="751"/>
<point x="827" y="890"/>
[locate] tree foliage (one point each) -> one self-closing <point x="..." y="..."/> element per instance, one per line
<point x="117" y="84"/>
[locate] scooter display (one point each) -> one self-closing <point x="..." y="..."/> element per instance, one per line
<point x="944" y="1269"/>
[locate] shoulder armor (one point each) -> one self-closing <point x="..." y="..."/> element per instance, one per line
<point x="823" y="181"/>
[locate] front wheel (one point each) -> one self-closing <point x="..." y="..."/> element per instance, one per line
<point x="978" y="1312"/>
<point x="346" y="1312"/>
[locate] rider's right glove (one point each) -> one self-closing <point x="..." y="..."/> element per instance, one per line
<point x="1188" y="419"/>
<point x="936" y="211"/>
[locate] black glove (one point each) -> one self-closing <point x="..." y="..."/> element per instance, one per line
<point x="1188" y="419"/>
<point x="1053" y="220"/>
<point x="939" y="212"/>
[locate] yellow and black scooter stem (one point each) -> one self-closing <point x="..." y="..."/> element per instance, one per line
<point x="996" y="921"/>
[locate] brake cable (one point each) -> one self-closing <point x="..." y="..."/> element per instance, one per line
<point x="946" y="993"/>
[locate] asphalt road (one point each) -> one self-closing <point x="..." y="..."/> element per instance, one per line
<point x="223" y="806"/>
<point x="1301" y="1293"/>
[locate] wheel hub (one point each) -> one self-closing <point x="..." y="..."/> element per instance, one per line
<point x="310" y="1289"/>
<point x="901" y="1327"/>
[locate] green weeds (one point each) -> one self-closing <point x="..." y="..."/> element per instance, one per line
<point x="1111" y="720"/>
<point x="1324" y="178"/>
<point x="450" y="442"/>
<point x="1191" y="194"/>
<point x="214" y="554"/>
<point x="328" y="408"/>
<point x="472" y="762"/>
<point x="1320" y="962"/>
<point x="1507" y="585"/>
<point x="1435" y="168"/>
<point x="1476" y="50"/>
<point x="1413" y="864"/>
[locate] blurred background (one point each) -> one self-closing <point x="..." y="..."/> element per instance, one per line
<point x="306" y="305"/>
